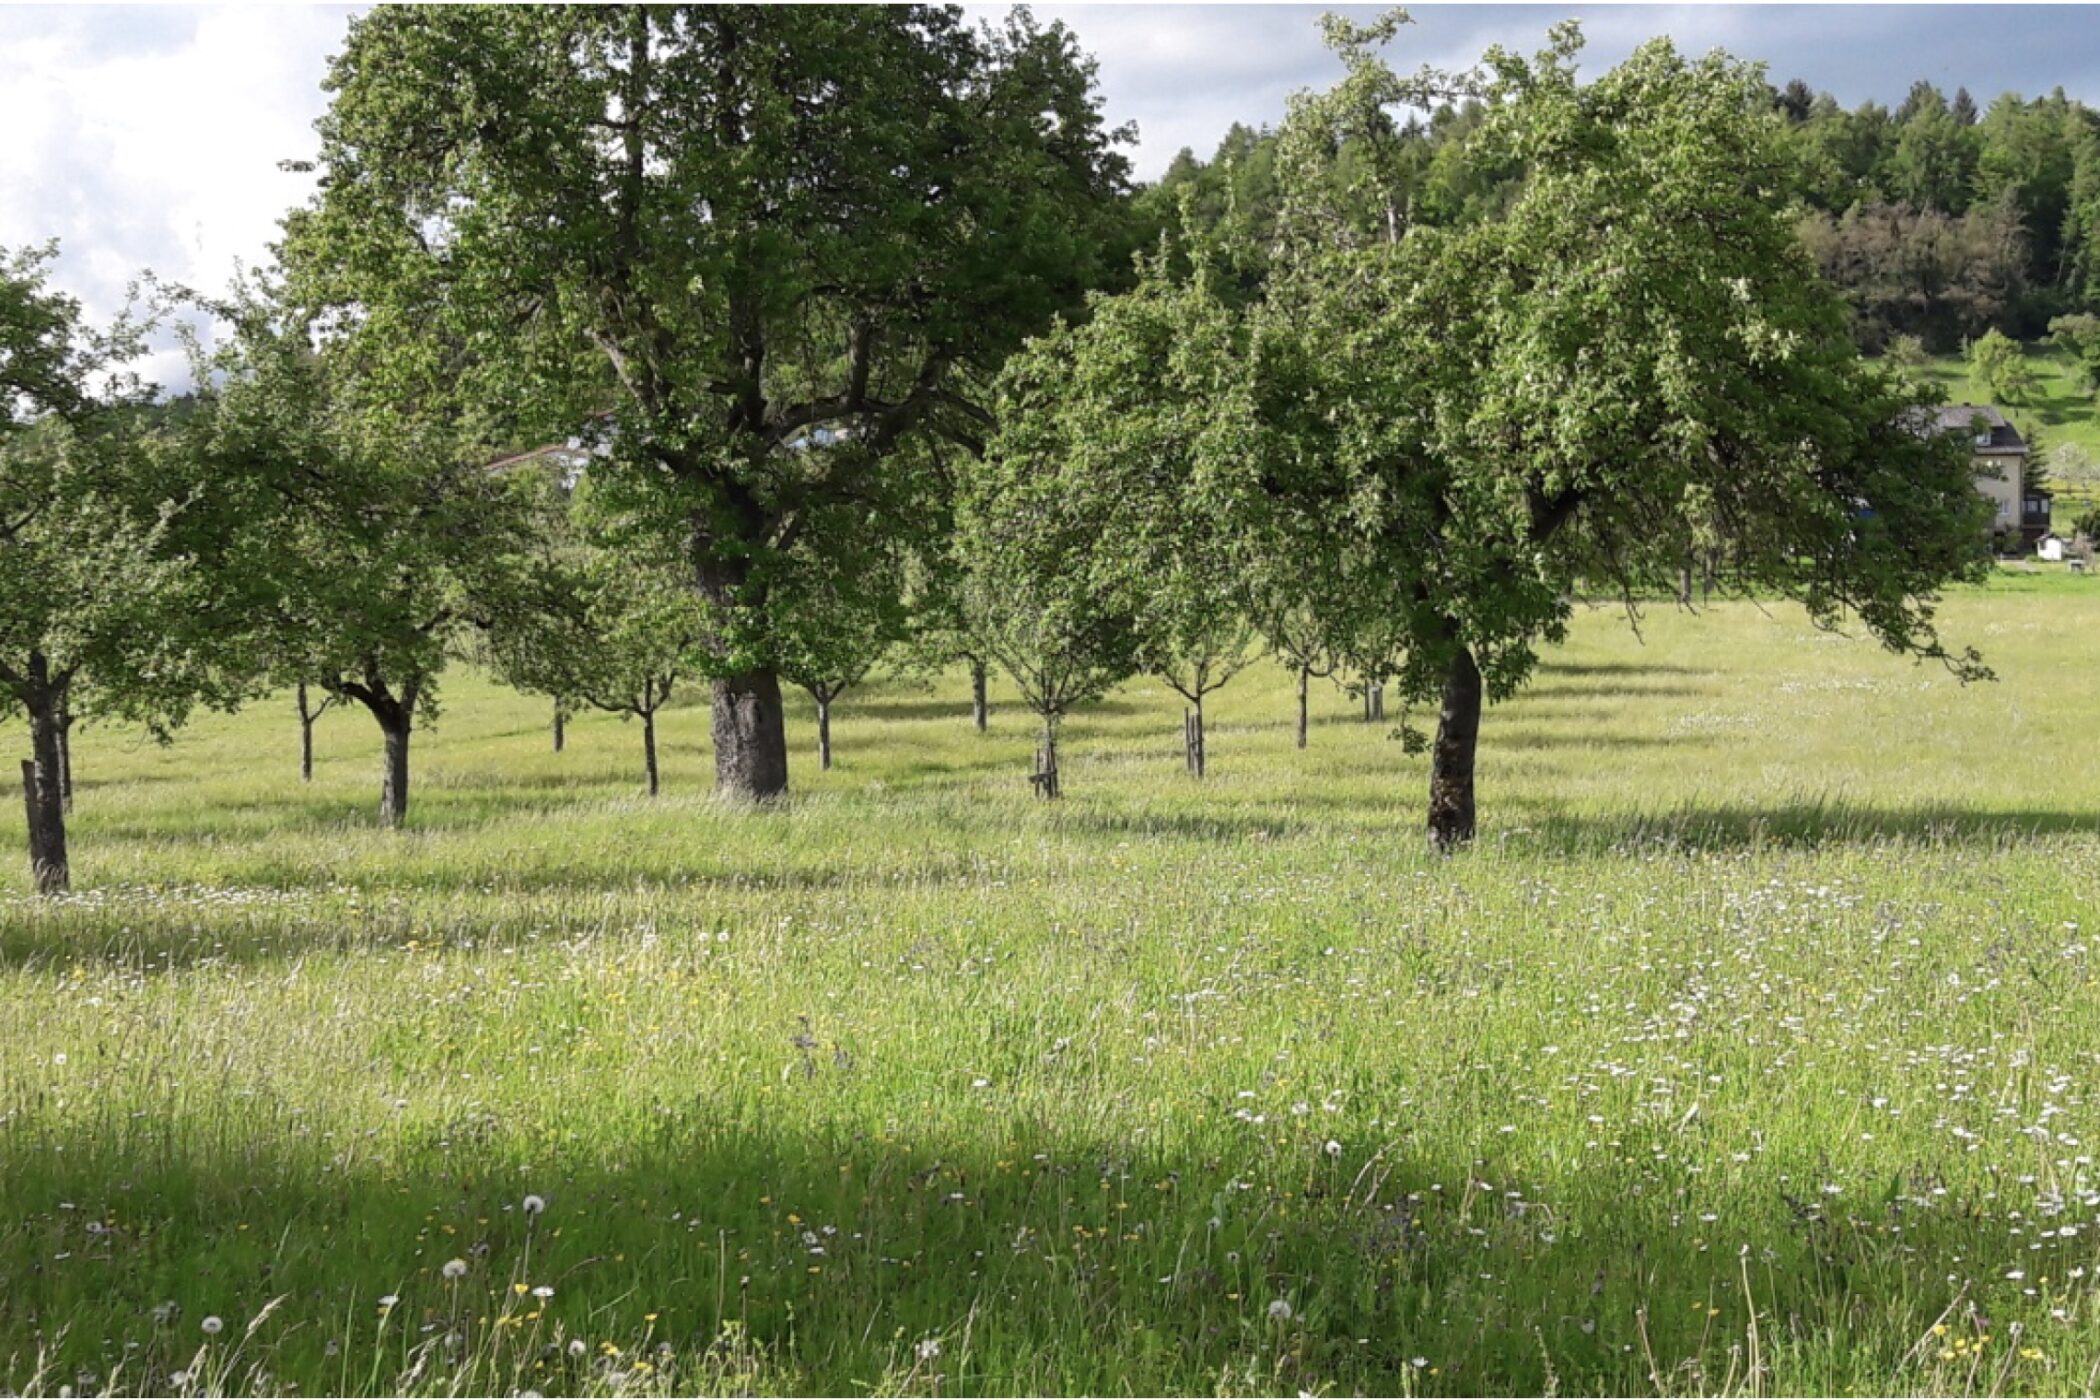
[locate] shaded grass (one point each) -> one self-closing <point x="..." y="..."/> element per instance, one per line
<point x="1754" y="1041"/>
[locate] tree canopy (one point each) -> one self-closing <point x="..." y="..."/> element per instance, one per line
<point x="738" y="233"/>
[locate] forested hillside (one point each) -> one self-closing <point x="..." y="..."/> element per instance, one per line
<point x="1939" y="219"/>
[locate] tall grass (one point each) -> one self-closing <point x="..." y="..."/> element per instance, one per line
<point x="1751" y="1050"/>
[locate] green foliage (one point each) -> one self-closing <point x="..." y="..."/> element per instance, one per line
<point x="1998" y="368"/>
<point x="742" y="231"/>
<point x="1035" y="596"/>
<point x="623" y="626"/>
<point x="109" y="576"/>
<point x="1909" y="271"/>
<point x="845" y="603"/>
<point x="2079" y="335"/>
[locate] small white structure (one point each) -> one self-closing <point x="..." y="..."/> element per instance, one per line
<point x="2050" y="549"/>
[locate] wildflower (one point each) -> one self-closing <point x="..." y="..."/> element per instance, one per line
<point x="388" y="1301"/>
<point x="928" y="1348"/>
<point x="576" y="1346"/>
<point x="213" y="1326"/>
<point x="535" y="1204"/>
<point x="1334" y="1149"/>
<point x="1280" y="1311"/>
<point x="543" y="1292"/>
<point x="454" y="1269"/>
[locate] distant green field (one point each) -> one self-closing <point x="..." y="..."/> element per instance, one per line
<point x="2062" y="411"/>
<point x="1753" y="1049"/>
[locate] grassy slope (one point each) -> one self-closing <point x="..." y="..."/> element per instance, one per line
<point x="1758" y="1031"/>
<point x="2063" y="411"/>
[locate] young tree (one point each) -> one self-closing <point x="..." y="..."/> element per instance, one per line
<point x="1032" y="594"/>
<point x="2079" y="335"/>
<point x="1127" y="418"/>
<point x="1062" y="645"/>
<point x="623" y="629"/>
<point x="1294" y="633"/>
<point x="376" y="543"/>
<point x="1999" y="370"/>
<point x="938" y="627"/>
<point x="1906" y="358"/>
<point x="101" y="582"/>
<point x="735" y="228"/>
<point x="309" y="713"/>
<point x="1634" y="358"/>
<point x="847" y="606"/>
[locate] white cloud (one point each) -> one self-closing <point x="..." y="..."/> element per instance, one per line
<point x="151" y="139"/>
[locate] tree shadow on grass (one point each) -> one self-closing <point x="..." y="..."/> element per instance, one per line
<point x="1616" y="668"/>
<point x="1033" y="1258"/>
<point x="1553" y="694"/>
<point x="1804" y="824"/>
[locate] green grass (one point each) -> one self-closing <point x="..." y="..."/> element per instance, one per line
<point x="1752" y="1049"/>
<point x="2062" y="411"/>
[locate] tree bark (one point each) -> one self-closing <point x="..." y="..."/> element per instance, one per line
<point x="1451" y="810"/>
<point x="649" y="748"/>
<point x="1045" y="779"/>
<point x="750" y="737"/>
<point x="980" y="706"/>
<point x="1304" y="706"/>
<point x="306" y="737"/>
<point x="824" y="734"/>
<point x="43" y="794"/>
<point x="748" y="727"/>
<point x="65" y="755"/>
<point x="393" y="787"/>
<point x="1192" y="736"/>
<point x="559" y="720"/>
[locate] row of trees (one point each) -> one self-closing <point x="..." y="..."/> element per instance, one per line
<point x="837" y="310"/>
<point x="1934" y="219"/>
<point x="1417" y="445"/>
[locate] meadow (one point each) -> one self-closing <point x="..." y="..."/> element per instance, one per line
<point x="1751" y="1050"/>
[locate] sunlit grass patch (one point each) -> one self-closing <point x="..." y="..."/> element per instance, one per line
<point x="1751" y="1049"/>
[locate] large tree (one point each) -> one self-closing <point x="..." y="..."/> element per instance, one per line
<point x="741" y="231"/>
<point x="1634" y="360"/>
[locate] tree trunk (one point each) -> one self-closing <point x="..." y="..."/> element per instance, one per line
<point x="65" y="755"/>
<point x="393" y="787"/>
<point x="1045" y="778"/>
<point x="824" y="734"/>
<point x="43" y="794"/>
<point x="1304" y="687"/>
<point x="1192" y="737"/>
<point x="306" y="737"/>
<point x="1451" y="761"/>
<point x="980" y="706"/>
<point x="748" y="727"/>
<point x="559" y="720"/>
<point x="750" y="737"/>
<point x="649" y="748"/>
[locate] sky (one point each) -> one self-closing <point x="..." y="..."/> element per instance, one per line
<point x="150" y="137"/>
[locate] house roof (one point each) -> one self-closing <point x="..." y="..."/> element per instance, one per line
<point x="1976" y="418"/>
